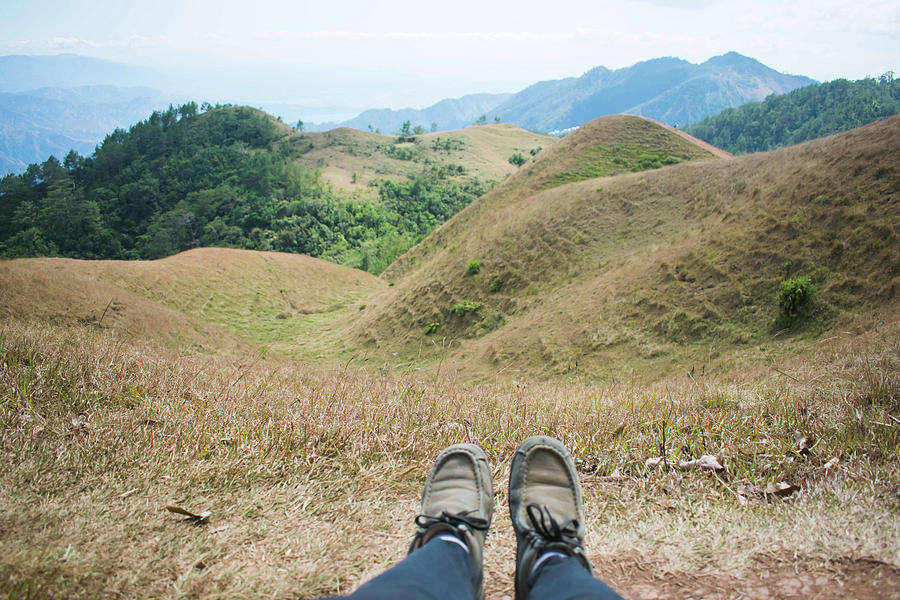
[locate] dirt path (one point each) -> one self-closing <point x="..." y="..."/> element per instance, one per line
<point x="858" y="579"/>
<point x="696" y="141"/>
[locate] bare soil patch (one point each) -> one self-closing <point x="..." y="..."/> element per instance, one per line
<point x="769" y="579"/>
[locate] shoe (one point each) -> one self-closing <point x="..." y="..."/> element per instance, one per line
<point x="546" y="507"/>
<point x="458" y="499"/>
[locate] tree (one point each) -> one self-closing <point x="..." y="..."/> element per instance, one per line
<point x="418" y="130"/>
<point x="299" y="126"/>
<point x="405" y="134"/>
<point x="434" y="126"/>
<point x="496" y="119"/>
<point x="481" y="120"/>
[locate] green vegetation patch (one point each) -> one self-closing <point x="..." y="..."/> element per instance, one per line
<point x="226" y="177"/>
<point x="604" y="160"/>
<point x="464" y="307"/>
<point x="803" y="114"/>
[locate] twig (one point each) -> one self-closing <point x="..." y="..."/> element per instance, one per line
<point x="785" y="374"/>
<point x="108" y="304"/>
<point x="728" y="487"/>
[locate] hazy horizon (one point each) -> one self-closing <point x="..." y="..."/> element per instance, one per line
<point x="359" y="55"/>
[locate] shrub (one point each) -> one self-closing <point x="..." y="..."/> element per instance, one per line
<point x="517" y="159"/>
<point x="432" y="327"/>
<point x="496" y="284"/>
<point x="465" y="306"/>
<point x="474" y="267"/>
<point x="793" y="296"/>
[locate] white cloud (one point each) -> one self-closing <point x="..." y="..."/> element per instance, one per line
<point x="492" y="36"/>
<point x="68" y="44"/>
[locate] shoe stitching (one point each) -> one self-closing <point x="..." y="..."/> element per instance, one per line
<point x="568" y="476"/>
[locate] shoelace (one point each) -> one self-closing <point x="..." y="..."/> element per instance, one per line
<point x="454" y="520"/>
<point x="548" y="530"/>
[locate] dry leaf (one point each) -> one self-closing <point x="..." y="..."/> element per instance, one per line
<point x="781" y="489"/>
<point x="198" y="518"/>
<point x="651" y="463"/>
<point x="667" y="503"/>
<point x="707" y="462"/>
<point x="615" y="476"/>
<point x="803" y="447"/>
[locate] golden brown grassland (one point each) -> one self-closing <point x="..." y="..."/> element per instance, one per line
<point x="312" y="475"/>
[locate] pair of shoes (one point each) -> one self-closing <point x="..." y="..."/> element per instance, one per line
<point x="545" y="504"/>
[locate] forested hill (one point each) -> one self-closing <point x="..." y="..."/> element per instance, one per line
<point x="223" y="176"/>
<point x="803" y="114"/>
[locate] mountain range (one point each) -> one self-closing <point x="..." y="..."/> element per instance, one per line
<point x="53" y="120"/>
<point x="669" y="90"/>
<point x="51" y="104"/>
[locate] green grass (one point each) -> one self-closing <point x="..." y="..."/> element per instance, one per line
<point x="639" y="146"/>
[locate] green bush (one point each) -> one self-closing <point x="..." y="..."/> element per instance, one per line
<point x="496" y="284"/>
<point x="432" y="327"/>
<point x="465" y="306"/>
<point x="474" y="267"/>
<point x="794" y="295"/>
<point x="517" y="159"/>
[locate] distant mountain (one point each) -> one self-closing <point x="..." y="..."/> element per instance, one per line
<point x="804" y="114"/>
<point x="20" y="73"/>
<point x="52" y="121"/>
<point x="670" y="90"/>
<point x="452" y="113"/>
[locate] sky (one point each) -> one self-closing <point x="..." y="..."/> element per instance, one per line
<point x="397" y="53"/>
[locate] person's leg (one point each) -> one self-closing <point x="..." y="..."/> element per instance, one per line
<point x="565" y="578"/>
<point x="445" y="557"/>
<point x="547" y="512"/>
<point x="439" y="570"/>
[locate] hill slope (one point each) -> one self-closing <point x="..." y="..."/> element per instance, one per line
<point x="482" y="151"/>
<point x="208" y="299"/>
<point x="669" y="90"/>
<point x="234" y="176"/>
<point x="804" y="114"/>
<point x="646" y="272"/>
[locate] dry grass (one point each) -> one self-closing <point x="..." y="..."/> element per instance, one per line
<point x="196" y="300"/>
<point x="312" y="476"/>
<point x="483" y="151"/>
<point x="312" y="473"/>
<point x="653" y="272"/>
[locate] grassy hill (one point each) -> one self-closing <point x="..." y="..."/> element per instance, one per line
<point x="230" y="176"/>
<point x="129" y="386"/>
<point x="482" y="151"/>
<point x="648" y="272"/>
<point x="207" y="300"/>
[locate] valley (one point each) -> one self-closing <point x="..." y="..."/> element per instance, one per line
<point x="619" y="291"/>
